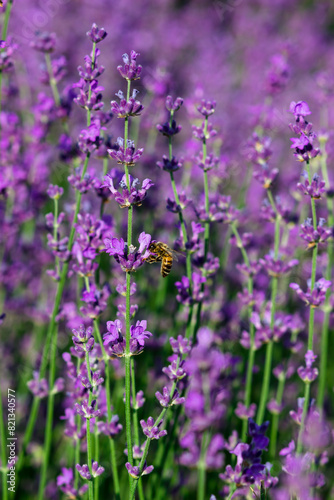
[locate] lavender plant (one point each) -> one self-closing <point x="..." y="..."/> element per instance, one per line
<point x="206" y="374"/>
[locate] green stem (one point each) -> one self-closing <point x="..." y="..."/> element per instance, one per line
<point x="77" y="442"/>
<point x="88" y="433"/>
<point x="181" y="218"/>
<point x="3" y="452"/>
<point x="206" y="191"/>
<point x="251" y="352"/>
<point x="6" y="20"/>
<point x="135" y="421"/>
<point x="97" y="458"/>
<point x="201" y="467"/>
<point x="206" y="225"/>
<point x="3" y="37"/>
<point x="49" y="416"/>
<point x="275" y="419"/>
<point x="268" y="359"/>
<point x="89" y="113"/>
<point x="305" y="409"/>
<point x="127" y="309"/>
<point x="183" y="229"/>
<point x="311" y="321"/>
<point x="270" y="344"/>
<point x="328" y="276"/>
<point x="114" y="468"/>
<point x="325" y="328"/>
<point x="53" y="83"/>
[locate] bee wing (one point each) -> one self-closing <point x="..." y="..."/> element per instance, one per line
<point x="176" y="254"/>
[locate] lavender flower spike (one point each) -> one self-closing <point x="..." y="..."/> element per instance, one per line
<point x="152" y="431"/>
<point x="134" y="471"/>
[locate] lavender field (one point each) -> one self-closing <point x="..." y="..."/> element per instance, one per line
<point x="166" y="249"/>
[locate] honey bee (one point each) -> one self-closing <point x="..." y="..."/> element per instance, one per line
<point x="162" y="253"/>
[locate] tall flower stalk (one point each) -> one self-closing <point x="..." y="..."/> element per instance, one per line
<point x="328" y="275"/>
<point x="270" y="344"/>
<point x="87" y="146"/>
<point x="171" y="165"/>
<point x="251" y="351"/>
<point x="205" y="162"/>
<point x="304" y="152"/>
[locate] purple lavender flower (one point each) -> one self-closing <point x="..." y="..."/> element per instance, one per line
<point x="245" y="413"/>
<point x="8" y="47"/>
<point x="83" y="339"/>
<point x="175" y="370"/>
<point x="300" y="109"/>
<point x="125" y="108"/>
<point x="206" y="108"/>
<point x="317" y="434"/>
<point x="200" y="134"/>
<point x="169" y="129"/>
<point x="96" y="34"/>
<point x="180" y="346"/>
<point x="315" y="297"/>
<point x="90" y="139"/>
<point x="173" y="105"/>
<point x="91" y="71"/>
<point x="87" y="410"/>
<point x="90" y="96"/>
<point x="297" y="415"/>
<point x="55" y="192"/>
<point x="170" y="165"/>
<point x="139" y="332"/>
<point x="113" y="427"/>
<point x="314" y="236"/>
<point x="252" y="270"/>
<point x="130" y="70"/>
<point x="173" y="207"/>
<point x="210" y="162"/>
<point x="95" y="377"/>
<point x="151" y="430"/>
<point x="315" y="189"/>
<point x="39" y="388"/>
<point x="114" y="331"/>
<point x="129" y="258"/>
<point x="45" y="42"/>
<point x="139" y="401"/>
<point x="265" y="176"/>
<point x="166" y="400"/>
<point x="134" y="197"/>
<point x="303" y="145"/>
<point x="84" y="472"/>
<point x="65" y="481"/>
<point x="258" y="150"/>
<point x="183" y="289"/>
<point x="116" y="341"/>
<point x="83" y="185"/>
<point x="308" y="374"/>
<point x="128" y="156"/>
<point x="135" y="472"/>
<point x="278" y="75"/>
<point x="249" y="469"/>
<point x="96" y="301"/>
<point x="276" y="267"/>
